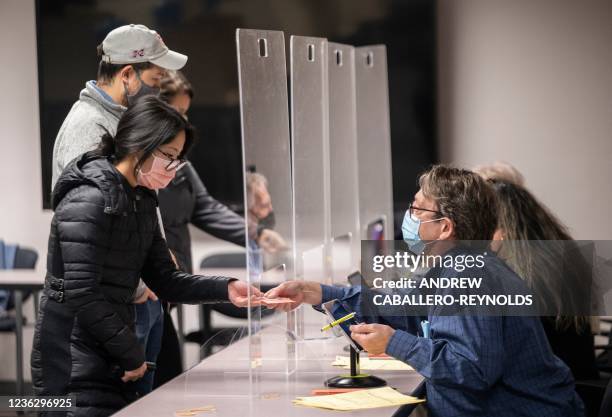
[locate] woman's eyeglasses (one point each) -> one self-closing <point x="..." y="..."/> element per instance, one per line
<point x="173" y="163"/>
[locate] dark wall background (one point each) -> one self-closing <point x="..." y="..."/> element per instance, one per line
<point x="69" y="30"/>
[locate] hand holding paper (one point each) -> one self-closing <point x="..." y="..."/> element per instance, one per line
<point x="238" y="293"/>
<point x="298" y="291"/>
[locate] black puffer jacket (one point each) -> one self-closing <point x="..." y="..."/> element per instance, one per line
<point x="104" y="237"/>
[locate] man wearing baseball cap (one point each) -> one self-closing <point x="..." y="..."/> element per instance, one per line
<point x="133" y="60"/>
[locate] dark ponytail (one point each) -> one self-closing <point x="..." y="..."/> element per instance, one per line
<point x="106" y="147"/>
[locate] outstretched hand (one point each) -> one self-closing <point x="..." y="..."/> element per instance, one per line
<point x="238" y="292"/>
<point x="298" y="292"/>
<point x="292" y="290"/>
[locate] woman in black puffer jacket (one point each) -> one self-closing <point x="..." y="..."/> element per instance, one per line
<point x="105" y="236"/>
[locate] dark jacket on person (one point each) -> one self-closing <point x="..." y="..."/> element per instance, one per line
<point x="104" y="237"/>
<point x="186" y="200"/>
<point x="574" y="347"/>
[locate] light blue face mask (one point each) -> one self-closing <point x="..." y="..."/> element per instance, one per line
<point x="410" y="232"/>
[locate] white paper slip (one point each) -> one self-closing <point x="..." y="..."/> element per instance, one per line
<point x="367" y="364"/>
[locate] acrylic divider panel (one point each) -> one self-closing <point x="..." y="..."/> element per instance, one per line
<point x="374" y="143"/>
<point x="344" y="187"/>
<point x="267" y="190"/>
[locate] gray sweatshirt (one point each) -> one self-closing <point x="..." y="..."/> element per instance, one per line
<point x="84" y="126"/>
<point x="81" y="132"/>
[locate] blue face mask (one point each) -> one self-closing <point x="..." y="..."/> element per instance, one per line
<point x="410" y="232"/>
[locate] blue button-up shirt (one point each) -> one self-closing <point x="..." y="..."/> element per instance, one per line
<point x="489" y="366"/>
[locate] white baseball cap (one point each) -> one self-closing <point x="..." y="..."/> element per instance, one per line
<point x="132" y="44"/>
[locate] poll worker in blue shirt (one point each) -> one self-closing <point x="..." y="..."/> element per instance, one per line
<point x="474" y="365"/>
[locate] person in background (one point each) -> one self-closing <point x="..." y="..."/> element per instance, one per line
<point x="261" y="221"/>
<point x="177" y="91"/>
<point x="184" y="201"/>
<point x="543" y="267"/>
<point x="502" y="171"/>
<point x="187" y="201"/>
<point x="133" y="61"/>
<point x="105" y="236"/>
<point x="474" y="365"/>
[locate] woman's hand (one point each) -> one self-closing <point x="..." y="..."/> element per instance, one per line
<point x="146" y="295"/>
<point x="136" y="374"/>
<point x="238" y="292"/>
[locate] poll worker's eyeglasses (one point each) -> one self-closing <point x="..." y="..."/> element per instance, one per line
<point x="412" y="207"/>
<point x="173" y="163"/>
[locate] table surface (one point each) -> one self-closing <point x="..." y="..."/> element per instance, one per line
<point x="22" y="278"/>
<point x="223" y="381"/>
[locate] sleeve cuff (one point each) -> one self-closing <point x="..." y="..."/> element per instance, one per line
<point x="401" y="344"/>
<point x="329" y="292"/>
<point x="134" y="359"/>
<point x="223" y="289"/>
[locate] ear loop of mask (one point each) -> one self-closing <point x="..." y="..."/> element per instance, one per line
<point x="126" y="90"/>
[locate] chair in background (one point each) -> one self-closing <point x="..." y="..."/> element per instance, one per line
<point x="604" y="360"/>
<point x="221" y="336"/>
<point x="593" y="392"/>
<point x="606" y="404"/>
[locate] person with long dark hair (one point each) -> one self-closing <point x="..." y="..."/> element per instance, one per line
<point x="535" y="244"/>
<point x="105" y="236"/>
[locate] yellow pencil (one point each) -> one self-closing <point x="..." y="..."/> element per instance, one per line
<point x="337" y="322"/>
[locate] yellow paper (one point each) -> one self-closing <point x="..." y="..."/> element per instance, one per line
<point x="358" y="400"/>
<point x="367" y="364"/>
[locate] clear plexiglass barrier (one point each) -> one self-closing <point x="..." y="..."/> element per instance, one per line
<point x="373" y="143"/>
<point x="310" y="161"/>
<point x="267" y="190"/>
<point x="302" y="189"/>
<point x="344" y="187"/>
